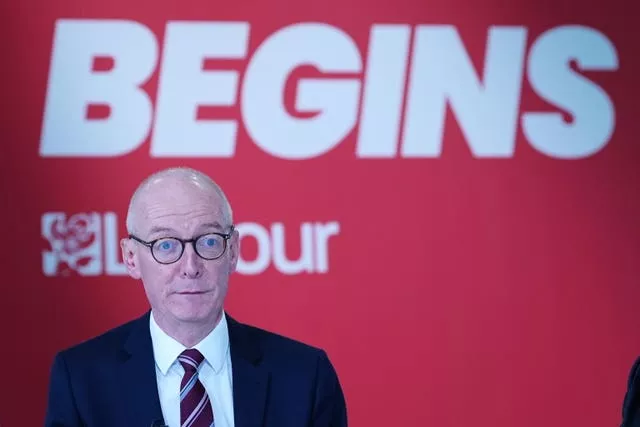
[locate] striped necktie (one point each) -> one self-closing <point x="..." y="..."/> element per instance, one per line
<point x="195" y="407"/>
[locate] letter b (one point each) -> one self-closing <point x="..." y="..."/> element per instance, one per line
<point x="74" y="85"/>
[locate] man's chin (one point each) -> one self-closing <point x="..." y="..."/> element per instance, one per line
<point x="194" y="313"/>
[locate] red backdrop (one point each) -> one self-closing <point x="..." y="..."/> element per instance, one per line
<point x="459" y="177"/>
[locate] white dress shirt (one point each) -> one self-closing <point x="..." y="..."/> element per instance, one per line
<point x="215" y="372"/>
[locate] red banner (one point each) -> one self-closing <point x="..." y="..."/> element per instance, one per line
<point x="444" y="196"/>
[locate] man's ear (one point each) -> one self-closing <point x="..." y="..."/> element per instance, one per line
<point x="234" y="250"/>
<point x="130" y="257"/>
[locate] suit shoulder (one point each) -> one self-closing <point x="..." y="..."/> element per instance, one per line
<point x="279" y="345"/>
<point x="631" y="394"/>
<point x="100" y="345"/>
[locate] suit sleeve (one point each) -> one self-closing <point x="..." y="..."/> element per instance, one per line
<point x="631" y="393"/>
<point x="61" y="408"/>
<point x="329" y="409"/>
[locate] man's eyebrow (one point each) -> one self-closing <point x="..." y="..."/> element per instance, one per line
<point x="158" y="229"/>
<point x="206" y="226"/>
<point x="214" y="224"/>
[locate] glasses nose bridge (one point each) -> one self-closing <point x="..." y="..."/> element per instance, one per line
<point x="189" y="243"/>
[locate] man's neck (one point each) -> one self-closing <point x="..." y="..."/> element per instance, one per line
<point x="186" y="333"/>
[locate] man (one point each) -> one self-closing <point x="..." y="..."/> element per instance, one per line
<point x="186" y="362"/>
<point x="631" y="403"/>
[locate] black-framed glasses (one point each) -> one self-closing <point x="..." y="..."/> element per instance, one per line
<point x="167" y="250"/>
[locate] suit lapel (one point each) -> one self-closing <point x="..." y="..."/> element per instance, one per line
<point x="250" y="376"/>
<point x="137" y="376"/>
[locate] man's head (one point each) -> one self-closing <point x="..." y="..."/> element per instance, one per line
<point x="185" y="204"/>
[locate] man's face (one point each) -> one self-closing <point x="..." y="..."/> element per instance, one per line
<point x="192" y="289"/>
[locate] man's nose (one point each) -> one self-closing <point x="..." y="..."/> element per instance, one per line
<point x="191" y="263"/>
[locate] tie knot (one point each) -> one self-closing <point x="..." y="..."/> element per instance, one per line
<point x="190" y="359"/>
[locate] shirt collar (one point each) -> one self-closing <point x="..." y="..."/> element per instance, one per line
<point x="213" y="347"/>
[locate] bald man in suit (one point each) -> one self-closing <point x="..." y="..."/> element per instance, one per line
<point x="186" y="362"/>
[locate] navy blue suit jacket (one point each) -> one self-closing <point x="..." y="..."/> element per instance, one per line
<point x="110" y="381"/>
<point x="631" y="402"/>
